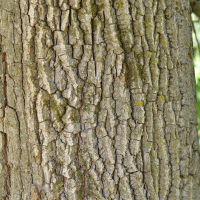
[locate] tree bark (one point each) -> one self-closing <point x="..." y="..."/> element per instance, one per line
<point x="97" y="100"/>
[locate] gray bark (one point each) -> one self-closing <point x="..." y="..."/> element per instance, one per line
<point x="97" y="100"/>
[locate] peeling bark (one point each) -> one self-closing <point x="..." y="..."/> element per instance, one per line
<point x="97" y="100"/>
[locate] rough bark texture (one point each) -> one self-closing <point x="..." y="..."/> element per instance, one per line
<point x="97" y="100"/>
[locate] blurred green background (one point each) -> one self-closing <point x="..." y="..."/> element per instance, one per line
<point x="196" y="37"/>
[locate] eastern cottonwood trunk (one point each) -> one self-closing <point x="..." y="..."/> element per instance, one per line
<point x="97" y="100"/>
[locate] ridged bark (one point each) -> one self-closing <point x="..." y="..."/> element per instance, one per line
<point x="97" y="100"/>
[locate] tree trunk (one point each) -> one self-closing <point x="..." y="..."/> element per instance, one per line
<point x="97" y="100"/>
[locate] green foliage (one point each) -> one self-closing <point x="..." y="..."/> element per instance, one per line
<point x="197" y="63"/>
